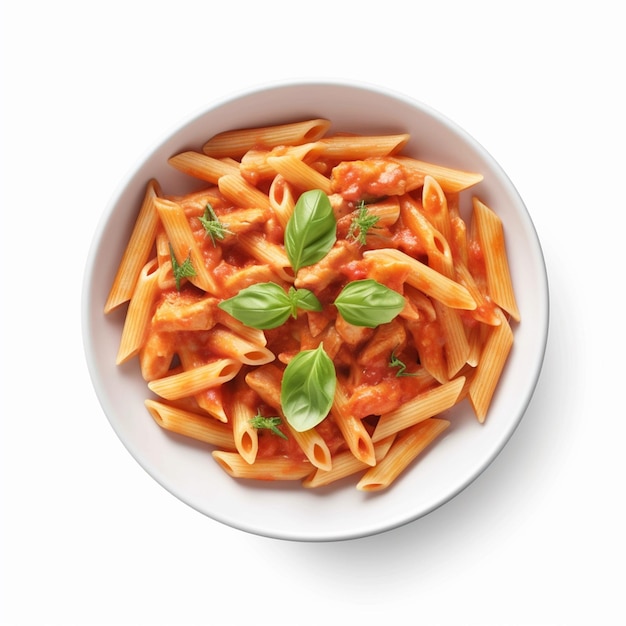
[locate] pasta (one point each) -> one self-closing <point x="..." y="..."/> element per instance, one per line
<point x="403" y="305"/>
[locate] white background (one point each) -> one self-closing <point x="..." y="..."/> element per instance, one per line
<point x="87" y="537"/>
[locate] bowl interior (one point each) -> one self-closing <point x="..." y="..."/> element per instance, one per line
<point x="288" y="511"/>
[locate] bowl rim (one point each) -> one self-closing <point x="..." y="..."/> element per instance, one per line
<point x="543" y="315"/>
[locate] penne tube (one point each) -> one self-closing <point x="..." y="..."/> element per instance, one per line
<point x="281" y="468"/>
<point x="137" y="320"/>
<point x="435" y="206"/>
<point x="211" y="400"/>
<point x="491" y="236"/>
<point x="485" y="310"/>
<point x="254" y="166"/>
<point x="226" y="343"/>
<point x="352" y="428"/>
<point x="184" y="244"/>
<point x="387" y="211"/>
<point x="435" y="244"/>
<point x="235" y="143"/>
<point x="191" y="382"/>
<point x="282" y="199"/>
<point x="265" y="251"/>
<point x="202" y="166"/>
<point x="455" y="342"/>
<point x="345" y="464"/>
<point x="242" y="193"/>
<point x="299" y="173"/>
<point x="249" y="334"/>
<point x="426" y="279"/>
<point x="405" y="449"/>
<point x="313" y="445"/>
<point x="491" y="362"/>
<point x="451" y="180"/>
<point x="458" y="231"/>
<point x="423" y="406"/>
<point x="358" y="147"/>
<point x="245" y="435"/>
<point x="189" y="424"/>
<point x="427" y="335"/>
<point x="137" y="251"/>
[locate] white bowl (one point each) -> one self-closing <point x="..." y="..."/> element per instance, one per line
<point x="288" y="511"/>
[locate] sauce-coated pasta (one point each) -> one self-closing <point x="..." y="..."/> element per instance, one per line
<point x="396" y="228"/>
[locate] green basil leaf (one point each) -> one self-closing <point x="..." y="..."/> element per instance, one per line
<point x="311" y="230"/>
<point x="262" y="306"/>
<point x="303" y="299"/>
<point x="308" y="388"/>
<point x="368" y="303"/>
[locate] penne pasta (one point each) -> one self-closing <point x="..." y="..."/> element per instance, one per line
<point x="451" y="180"/>
<point x="435" y="205"/>
<point x="235" y="143"/>
<point x="489" y="368"/>
<point x="282" y="199"/>
<point x="265" y="251"/>
<point x="137" y="251"/>
<point x="345" y="464"/>
<point x="426" y="279"/>
<point x="491" y="236"/>
<point x="202" y="166"/>
<point x="280" y="468"/>
<point x="424" y="406"/>
<point x="184" y="244"/>
<point x="226" y="343"/>
<point x="428" y="325"/>
<point x="403" y="452"/>
<point x="140" y="308"/>
<point x="190" y="382"/>
<point x="299" y="174"/>
<point x="240" y="191"/>
<point x="190" y="424"/>
<point x="246" y="437"/>
<point x="357" y="147"/>
<point x="352" y="428"/>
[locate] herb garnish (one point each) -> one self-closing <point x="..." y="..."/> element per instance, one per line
<point x="394" y="361"/>
<point x="271" y="423"/>
<point x="212" y="225"/>
<point x="183" y="270"/>
<point x="362" y="223"/>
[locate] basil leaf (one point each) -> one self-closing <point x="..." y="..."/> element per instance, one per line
<point x="267" y="305"/>
<point x="311" y="230"/>
<point x="262" y="306"/>
<point x="303" y="299"/>
<point x="308" y="388"/>
<point x="368" y="303"/>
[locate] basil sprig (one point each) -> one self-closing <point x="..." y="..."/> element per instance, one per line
<point x="311" y="230"/>
<point x="368" y="303"/>
<point x="308" y="388"/>
<point x="268" y="305"/>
